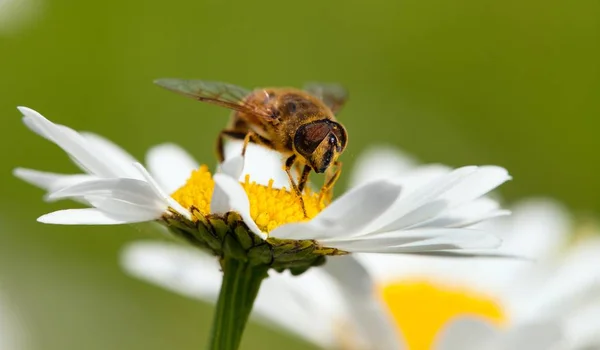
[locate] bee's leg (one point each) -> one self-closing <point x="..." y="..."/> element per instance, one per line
<point x="251" y="136"/>
<point x="234" y="134"/>
<point x="289" y="163"/>
<point x="331" y="177"/>
<point x="304" y="178"/>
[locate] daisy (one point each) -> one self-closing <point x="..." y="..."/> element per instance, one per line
<point x="254" y="227"/>
<point x="379" y="216"/>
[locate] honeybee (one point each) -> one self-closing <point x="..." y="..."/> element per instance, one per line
<point x="300" y="124"/>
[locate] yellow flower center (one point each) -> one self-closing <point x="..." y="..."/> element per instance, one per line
<point x="269" y="207"/>
<point x="421" y="309"/>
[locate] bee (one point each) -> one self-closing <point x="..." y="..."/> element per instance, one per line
<point x="300" y="124"/>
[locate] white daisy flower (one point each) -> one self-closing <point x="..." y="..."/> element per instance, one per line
<point x="379" y="216"/>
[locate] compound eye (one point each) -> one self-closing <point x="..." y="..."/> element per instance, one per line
<point x="309" y="137"/>
<point x="339" y="132"/>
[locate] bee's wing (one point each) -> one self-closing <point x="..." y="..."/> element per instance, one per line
<point x="221" y="94"/>
<point x="333" y="95"/>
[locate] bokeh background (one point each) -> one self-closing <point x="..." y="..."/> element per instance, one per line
<point x="511" y="83"/>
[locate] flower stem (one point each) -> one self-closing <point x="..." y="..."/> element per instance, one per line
<point x="241" y="282"/>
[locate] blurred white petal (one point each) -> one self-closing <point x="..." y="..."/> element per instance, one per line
<point x="180" y="269"/>
<point x="465" y="333"/>
<point x="370" y="317"/>
<point x="534" y="336"/>
<point x="380" y="163"/>
<point x="170" y="165"/>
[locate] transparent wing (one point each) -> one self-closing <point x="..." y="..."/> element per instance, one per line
<point x="333" y="95"/>
<point x="221" y="94"/>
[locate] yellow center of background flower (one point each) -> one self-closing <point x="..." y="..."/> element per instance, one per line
<point x="421" y="309"/>
<point x="269" y="207"/>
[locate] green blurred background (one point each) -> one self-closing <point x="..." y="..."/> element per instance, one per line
<point x="511" y="83"/>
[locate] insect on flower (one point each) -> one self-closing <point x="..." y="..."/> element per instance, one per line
<point x="300" y="124"/>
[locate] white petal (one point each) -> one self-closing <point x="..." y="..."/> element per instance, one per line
<point x="121" y="161"/>
<point x="469" y="333"/>
<point x="220" y="201"/>
<point x="480" y="182"/>
<point x="542" y="335"/>
<point x="233" y="198"/>
<point x="373" y="322"/>
<point x="393" y="218"/>
<point x="180" y="269"/>
<point x="418" y="217"/>
<point x="124" y="199"/>
<point x="233" y="167"/>
<point x="583" y="328"/>
<point x="88" y="216"/>
<point x="347" y="215"/>
<point x="261" y="163"/>
<point x="574" y="281"/>
<point x="538" y="229"/>
<point x="50" y="181"/>
<point x="160" y="193"/>
<point x="308" y="305"/>
<point x="467" y="214"/>
<point x="415" y="241"/>
<point x="70" y="141"/>
<point x="380" y="163"/>
<point x="466" y="334"/>
<point x="170" y="165"/>
<point x="454" y="189"/>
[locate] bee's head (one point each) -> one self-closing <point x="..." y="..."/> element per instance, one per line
<point x="320" y="143"/>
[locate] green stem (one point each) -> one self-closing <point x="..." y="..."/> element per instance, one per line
<point x="241" y="282"/>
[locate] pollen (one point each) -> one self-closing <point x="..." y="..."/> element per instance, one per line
<point x="269" y="207"/>
<point x="421" y="309"/>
